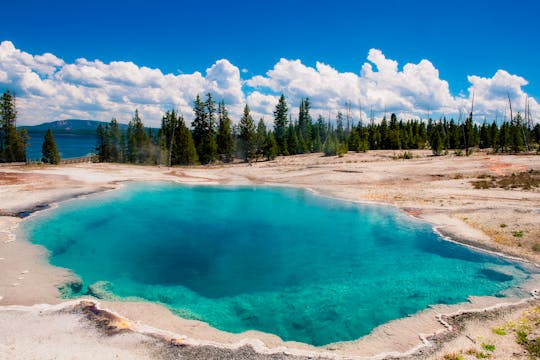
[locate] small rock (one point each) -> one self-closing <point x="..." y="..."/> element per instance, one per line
<point x="25" y="272"/>
<point x="15" y="284"/>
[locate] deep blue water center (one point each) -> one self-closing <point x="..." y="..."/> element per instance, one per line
<point x="283" y="261"/>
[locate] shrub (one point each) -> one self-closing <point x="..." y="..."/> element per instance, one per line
<point x="452" y="356"/>
<point x="481" y="184"/>
<point x="499" y="331"/>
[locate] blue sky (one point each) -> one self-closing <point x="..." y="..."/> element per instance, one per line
<point x="459" y="38"/>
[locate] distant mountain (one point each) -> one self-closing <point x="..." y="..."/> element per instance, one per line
<point x="69" y="126"/>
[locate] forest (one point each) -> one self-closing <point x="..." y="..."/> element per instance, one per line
<point x="214" y="137"/>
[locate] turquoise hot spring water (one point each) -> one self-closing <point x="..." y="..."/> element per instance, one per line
<point x="279" y="260"/>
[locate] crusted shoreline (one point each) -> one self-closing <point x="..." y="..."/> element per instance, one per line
<point x="425" y="345"/>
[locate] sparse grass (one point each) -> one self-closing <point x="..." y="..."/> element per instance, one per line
<point x="488" y="347"/>
<point x="536" y="247"/>
<point x="527" y="332"/>
<point x="452" y="356"/>
<point x="526" y="180"/>
<point x="477" y="354"/>
<point x="407" y="155"/>
<point x="499" y="331"/>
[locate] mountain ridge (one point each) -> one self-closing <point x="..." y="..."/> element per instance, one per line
<point x="69" y="126"/>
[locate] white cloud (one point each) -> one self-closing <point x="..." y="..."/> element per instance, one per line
<point x="491" y="94"/>
<point x="48" y="88"/>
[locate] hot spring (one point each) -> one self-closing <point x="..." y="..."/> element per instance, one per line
<point x="283" y="261"/>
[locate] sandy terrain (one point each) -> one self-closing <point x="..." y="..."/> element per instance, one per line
<point x="438" y="190"/>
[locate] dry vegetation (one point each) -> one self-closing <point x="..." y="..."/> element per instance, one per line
<point x="526" y="180"/>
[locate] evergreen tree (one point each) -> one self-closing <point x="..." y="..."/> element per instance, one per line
<point x="516" y="134"/>
<point x="248" y="136"/>
<point x="49" y="150"/>
<point x="102" y="147"/>
<point x="394" y="141"/>
<point x="176" y="140"/>
<point x="114" y="135"/>
<point x="203" y="129"/>
<point x="340" y="130"/>
<point x="270" y="146"/>
<point x="138" y="141"/>
<point x="317" y="143"/>
<point x="210" y="146"/>
<point x="199" y="123"/>
<point x="261" y="138"/>
<point x="304" y="126"/>
<point x="280" y="125"/>
<point x="292" y="140"/>
<point x="12" y="142"/>
<point x="383" y="130"/>
<point x="468" y="134"/>
<point x="225" y="140"/>
<point x="184" y="147"/>
<point x="436" y="141"/>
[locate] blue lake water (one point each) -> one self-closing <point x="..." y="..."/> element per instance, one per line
<point x="69" y="145"/>
<point x="282" y="261"/>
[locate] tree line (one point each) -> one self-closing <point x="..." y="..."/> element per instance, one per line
<point x="214" y="137"/>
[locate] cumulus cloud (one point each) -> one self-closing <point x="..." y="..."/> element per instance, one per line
<point x="491" y="94"/>
<point x="380" y="86"/>
<point x="48" y="88"/>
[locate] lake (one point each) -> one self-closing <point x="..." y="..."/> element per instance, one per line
<point x="69" y="145"/>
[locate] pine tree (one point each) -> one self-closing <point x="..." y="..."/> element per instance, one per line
<point x="49" y="150"/>
<point x="210" y="146"/>
<point x="270" y="146"/>
<point x="468" y="134"/>
<point x="225" y="140"/>
<point x="138" y="140"/>
<point x="184" y="146"/>
<point x="102" y="147"/>
<point x="292" y="139"/>
<point x="331" y="145"/>
<point x="248" y="137"/>
<point x="280" y="125"/>
<point x="261" y="137"/>
<point x="203" y="129"/>
<point x="199" y="123"/>
<point x="436" y="140"/>
<point x="304" y="126"/>
<point x="12" y="142"/>
<point x="114" y="136"/>
<point x="340" y="130"/>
